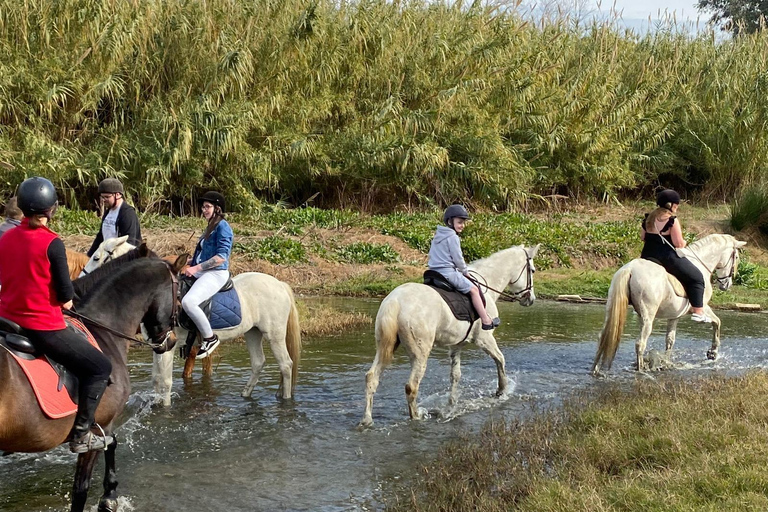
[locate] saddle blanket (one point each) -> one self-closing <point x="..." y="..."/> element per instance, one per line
<point x="460" y="304"/>
<point x="225" y="310"/>
<point x="52" y="395"/>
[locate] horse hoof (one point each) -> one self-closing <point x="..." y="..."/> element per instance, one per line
<point x="365" y="423"/>
<point x="107" y="505"/>
<point x="711" y="355"/>
<point x="500" y="393"/>
<point x="246" y="393"/>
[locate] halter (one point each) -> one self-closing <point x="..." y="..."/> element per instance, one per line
<point x="160" y="341"/>
<point x="515" y="296"/>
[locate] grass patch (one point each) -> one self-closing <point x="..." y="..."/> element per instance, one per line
<point x="322" y="321"/>
<point x="750" y="210"/>
<point x="275" y="249"/>
<point x="666" y="445"/>
<point x="366" y="253"/>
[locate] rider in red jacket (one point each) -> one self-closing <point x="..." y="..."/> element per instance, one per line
<point x="36" y="286"/>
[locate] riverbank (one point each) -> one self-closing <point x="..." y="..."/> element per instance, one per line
<point x="667" y="444"/>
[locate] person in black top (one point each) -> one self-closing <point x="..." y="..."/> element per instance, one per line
<point x="119" y="217"/>
<point x="662" y="234"/>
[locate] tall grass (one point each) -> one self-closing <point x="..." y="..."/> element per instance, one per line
<point x="368" y="104"/>
<point x="750" y="209"/>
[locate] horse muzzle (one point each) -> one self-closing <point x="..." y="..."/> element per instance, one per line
<point x="528" y="299"/>
<point x="165" y="343"/>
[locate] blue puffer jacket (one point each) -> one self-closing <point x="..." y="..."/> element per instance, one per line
<point x="218" y="244"/>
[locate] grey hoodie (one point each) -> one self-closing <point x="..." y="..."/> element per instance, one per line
<point x="445" y="252"/>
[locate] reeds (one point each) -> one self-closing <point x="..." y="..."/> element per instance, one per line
<point x="369" y="103"/>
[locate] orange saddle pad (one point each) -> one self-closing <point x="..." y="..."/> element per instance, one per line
<point x="54" y="402"/>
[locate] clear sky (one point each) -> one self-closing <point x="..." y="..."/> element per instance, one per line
<point x="684" y="9"/>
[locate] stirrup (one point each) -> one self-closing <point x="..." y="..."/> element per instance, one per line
<point x="89" y="442"/>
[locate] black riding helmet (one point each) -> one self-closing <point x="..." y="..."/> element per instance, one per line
<point x="36" y="196"/>
<point x="666" y="197"/>
<point x="455" y="210"/>
<point x="213" y="197"/>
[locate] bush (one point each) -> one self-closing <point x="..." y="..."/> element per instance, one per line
<point x="750" y="209"/>
<point x="366" y="253"/>
<point x="274" y="249"/>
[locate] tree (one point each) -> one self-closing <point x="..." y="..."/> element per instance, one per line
<point x="737" y="16"/>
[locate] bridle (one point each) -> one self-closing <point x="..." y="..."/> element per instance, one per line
<point x="731" y="261"/>
<point x="109" y="257"/>
<point x="514" y="296"/>
<point x="158" y="341"/>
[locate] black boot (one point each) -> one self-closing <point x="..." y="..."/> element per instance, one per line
<point x="82" y="439"/>
<point x="208" y="346"/>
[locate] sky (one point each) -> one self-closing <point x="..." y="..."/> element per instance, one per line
<point x="642" y="9"/>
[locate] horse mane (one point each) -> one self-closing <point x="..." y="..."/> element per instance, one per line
<point x="84" y="285"/>
<point x="701" y="242"/>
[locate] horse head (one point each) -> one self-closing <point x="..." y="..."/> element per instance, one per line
<point x="109" y="249"/>
<point x="728" y="264"/>
<point x="522" y="286"/>
<point x="162" y="314"/>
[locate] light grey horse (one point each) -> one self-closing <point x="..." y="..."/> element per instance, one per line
<point x="655" y="294"/>
<point x="416" y="316"/>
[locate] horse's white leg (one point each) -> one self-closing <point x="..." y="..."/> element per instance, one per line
<point x="162" y="375"/>
<point x="642" y="341"/>
<point x="371" y="384"/>
<point x="455" y="354"/>
<point x="276" y="339"/>
<point x="712" y="352"/>
<point x="256" y="350"/>
<point x="488" y="343"/>
<point x="671" y="332"/>
<point x="418" y="367"/>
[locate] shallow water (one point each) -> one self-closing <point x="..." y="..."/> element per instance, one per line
<point x="213" y="450"/>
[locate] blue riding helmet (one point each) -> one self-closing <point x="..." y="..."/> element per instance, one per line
<point x="36" y="196"/>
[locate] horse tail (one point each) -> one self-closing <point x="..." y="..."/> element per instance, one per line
<point x="386" y="331"/>
<point x="293" y="337"/>
<point x="615" y="318"/>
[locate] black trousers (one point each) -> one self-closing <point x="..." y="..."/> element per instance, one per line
<point x="689" y="276"/>
<point x="90" y="365"/>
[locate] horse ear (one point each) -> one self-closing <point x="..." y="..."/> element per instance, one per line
<point x="181" y="261"/>
<point x="121" y="240"/>
<point x="739" y="244"/>
<point x="532" y="251"/>
<point x="144" y="251"/>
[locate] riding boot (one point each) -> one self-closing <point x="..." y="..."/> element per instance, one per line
<point x="82" y="439"/>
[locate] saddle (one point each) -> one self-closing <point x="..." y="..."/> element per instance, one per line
<point x="56" y="388"/>
<point x="677" y="286"/>
<point x="222" y="310"/>
<point x="460" y="303"/>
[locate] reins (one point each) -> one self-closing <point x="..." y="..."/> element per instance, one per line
<point x="731" y="260"/>
<point x="516" y="296"/>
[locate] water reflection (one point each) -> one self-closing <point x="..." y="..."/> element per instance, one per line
<point x="214" y="450"/>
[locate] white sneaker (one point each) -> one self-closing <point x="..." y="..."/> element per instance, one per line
<point x="702" y="318"/>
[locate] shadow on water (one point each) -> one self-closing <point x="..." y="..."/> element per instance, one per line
<point x="214" y="450"/>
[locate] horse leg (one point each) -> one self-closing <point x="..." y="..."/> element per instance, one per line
<point x="280" y="351"/>
<point x="189" y="364"/>
<point x="671" y="332"/>
<point x="488" y="343"/>
<point x="371" y="384"/>
<point x="712" y="352"/>
<point x="108" y="501"/>
<point x="455" y="353"/>
<point x="642" y="341"/>
<point x="208" y="366"/>
<point x="83" y="472"/>
<point x="162" y="375"/>
<point x="253" y="339"/>
<point x="418" y="367"/>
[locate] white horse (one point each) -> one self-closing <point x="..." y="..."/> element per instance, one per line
<point x="108" y="250"/>
<point x="268" y="311"/>
<point x="417" y="316"/>
<point x="652" y="292"/>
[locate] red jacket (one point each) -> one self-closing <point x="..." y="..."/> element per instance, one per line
<point x="27" y="296"/>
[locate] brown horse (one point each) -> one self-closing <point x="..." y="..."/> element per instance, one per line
<point x="126" y="294"/>
<point x="76" y="261"/>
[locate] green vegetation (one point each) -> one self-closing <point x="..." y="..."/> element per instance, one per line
<point x="275" y="249"/>
<point x="750" y="210"/>
<point x="367" y="253"/>
<point x="369" y="104"/>
<point x="665" y="445"/>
